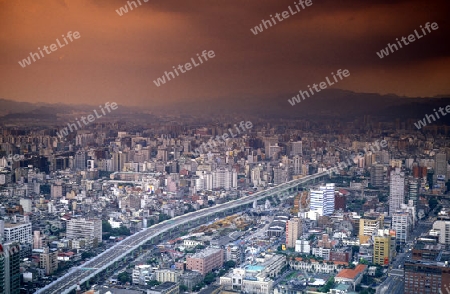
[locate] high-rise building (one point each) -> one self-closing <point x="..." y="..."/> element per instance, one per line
<point x="368" y="226"/>
<point x="377" y="175"/>
<point x="413" y="190"/>
<point x="396" y="190"/>
<point x="80" y="228"/>
<point x="224" y="178"/>
<point x="10" y="268"/>
<point x="279" y="175"/>
<point x="80" y="160"/>
<point x="293" y="231"/>
<point x="322" y="199"/>
<point x="18" y="232"/>
<point x="256" y="176"/>
<point x="440" y="163"/>
<point x="26" y="204"/>
<point x="382" y="248"/>
<point x="297" y="165"/>
<point x="48" y="260"/>
<point x="443" y="226"/>
<point x="118" y="160"/>
<point x="426" y="277"/>
<point x="297" y="148"/>
<point x="39" y="241"/>
<point x="401" y="224"/>
<point x="56" y="190"/>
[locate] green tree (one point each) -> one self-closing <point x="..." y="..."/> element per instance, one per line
<point x="326" y="288"/>
<point x="163" y="217"/>
<point x="106" y="226"/>
<point x="124" y="277"/>
<point x="209" y="278"/>
<point x="122" y="231"/>
<point x="153" y="283"/>
<point x="229" y="264"/>
<point x="87" y="254"/>
<point x="183" y="288"/>
<point x="198" y="287"/>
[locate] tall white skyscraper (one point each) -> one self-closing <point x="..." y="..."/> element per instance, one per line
<point x="397" y="190"/>
<point x="322" y="199"/>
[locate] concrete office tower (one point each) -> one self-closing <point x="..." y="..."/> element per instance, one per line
<point x="224" y="178"/>
<point x="280" y="175"/>
<point x="322" y="200"/>
<point x="377" y="175"/>
<point x="19" y="232"/>
<point x="293" y="231"/>
<point x="10" y="268"/>
<point x="297" y="148"/>
<point x="297" y="165"/>
<point x="440" y="166"/>
<point x="396" y="190"/>
<point x="401" y="224"/>
<point x="26" y="204"/>
<point x="80" y="160"/>
<point x="80" y="228"/>
<point x="413" y="190"/>
<point x="443" y="226"/>
<point x="48" y="260"/>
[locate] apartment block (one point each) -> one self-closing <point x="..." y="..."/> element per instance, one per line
<point x="205" y="261"/>
<point x="10" y="268"/>
<point x="18" y="232"/>
<point x="293" y="231"/>
<point x="81" y="228"/>
<point x="48" y="260"/>
<point x="426" y="277"/>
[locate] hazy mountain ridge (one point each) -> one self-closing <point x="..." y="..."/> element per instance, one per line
<point x="329" y="103"/>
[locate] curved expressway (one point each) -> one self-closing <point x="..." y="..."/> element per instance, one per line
<point x="99" y="263"/>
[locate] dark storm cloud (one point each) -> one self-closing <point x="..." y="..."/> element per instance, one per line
<point x="118" y="57"/>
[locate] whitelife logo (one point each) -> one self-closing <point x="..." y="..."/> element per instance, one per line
<point x="411" y="38"/>
<point x="340" y="73"/>
<point x="124" y="9"/>
<point x="53" y="48"/>
<point x="90" y="118"/>
<point x="188" y="66"/>
<point x="285" y="14"/>
<point x="422" y="123"/>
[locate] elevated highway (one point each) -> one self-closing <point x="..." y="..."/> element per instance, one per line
<point x="107" y="261"/>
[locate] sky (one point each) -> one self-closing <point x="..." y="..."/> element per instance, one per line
<point x="117" y="58"/>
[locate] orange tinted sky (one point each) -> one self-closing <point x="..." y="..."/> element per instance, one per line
<point x="118" y="57"/>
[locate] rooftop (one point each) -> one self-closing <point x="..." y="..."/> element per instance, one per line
<point x="351" y="273"/>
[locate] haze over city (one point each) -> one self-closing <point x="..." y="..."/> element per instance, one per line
<point x="227" y="147"/>
<point x="118" y="57"/>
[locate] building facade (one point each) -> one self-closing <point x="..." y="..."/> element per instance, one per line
<point x="10" y="268"/>
<point x="205" y="261"/>
<point x="90" y="230"/>
<point x="293" y="231"/>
